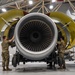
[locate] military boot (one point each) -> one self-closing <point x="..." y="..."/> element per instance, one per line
<point x="8" y="69"/>
<point x="60" y="67"/>
<point x="4" y="69"/>
<point x="64" y="67"/>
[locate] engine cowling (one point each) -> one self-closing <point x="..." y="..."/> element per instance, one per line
<point x="35" y="36"/>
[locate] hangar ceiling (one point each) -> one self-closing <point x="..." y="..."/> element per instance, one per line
<point x="38" y="5"/>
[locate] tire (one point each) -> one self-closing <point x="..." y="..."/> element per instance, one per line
<point x="14" y="61"/>
<point x="23" y="62"/>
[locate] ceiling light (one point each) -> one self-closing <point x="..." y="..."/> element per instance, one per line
<point x="54" y="1"/>
<point x="51" y="6"/>
<point x="30" y="2"/>
<point x="4" y="10"/>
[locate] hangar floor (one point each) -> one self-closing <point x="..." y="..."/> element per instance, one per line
<point x="39" y="69"/>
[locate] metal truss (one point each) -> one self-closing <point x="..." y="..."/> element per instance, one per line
<point x="40" y="5"/>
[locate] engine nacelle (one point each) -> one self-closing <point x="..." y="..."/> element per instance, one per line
<point x="35" y="36"/>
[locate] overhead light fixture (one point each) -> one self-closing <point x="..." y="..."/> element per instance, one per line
<point x="4" y="10"/>
<point x="51" y="7"/>
<point x="30" y="2"/>
<point x="54" y="1"/>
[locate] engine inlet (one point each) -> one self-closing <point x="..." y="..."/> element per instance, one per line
<point x="36" y="35"/>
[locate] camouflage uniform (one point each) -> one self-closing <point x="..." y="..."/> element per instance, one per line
<point x="61" y="51"/>
<point x="5" y="54"/>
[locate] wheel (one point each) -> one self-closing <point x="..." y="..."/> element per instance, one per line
<point x="23" y="62"/>
<point x="14" y="61"/>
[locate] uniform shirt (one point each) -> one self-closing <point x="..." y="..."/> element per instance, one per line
<point x="5" y="46"/>
<point x="61" y="46"/>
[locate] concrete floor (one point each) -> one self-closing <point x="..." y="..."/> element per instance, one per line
<point x="39" y="69"/>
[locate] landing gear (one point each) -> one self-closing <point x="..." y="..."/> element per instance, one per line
<point x="23" y="62"/>
<point x="51" y="65"/>
<point x="17" y="58"/>
<point x="14" y="61"/>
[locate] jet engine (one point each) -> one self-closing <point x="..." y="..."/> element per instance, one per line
<point x="35" y="38"/>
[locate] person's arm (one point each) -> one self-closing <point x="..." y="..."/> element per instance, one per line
<point x="11" y="39"/>
<point x="58" y="42"/>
